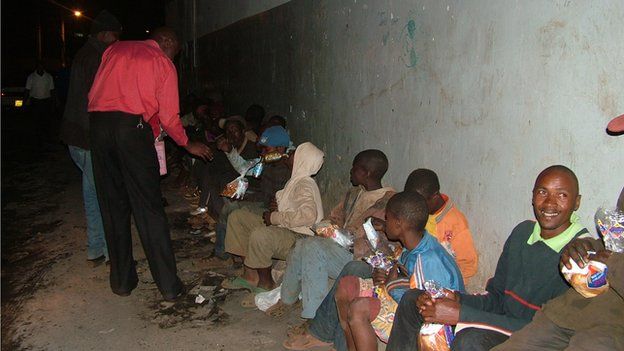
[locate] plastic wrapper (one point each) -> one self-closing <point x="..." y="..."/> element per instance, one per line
<point x="371" y="234"/>
<point x="589" y="281"/>
<point x="236" y="189"/>
<point x="610" y="223"/>
<point x="341" y="236"/>
<point x="273" y="156"/>
<point x="256" y="170"/>
<point x="433" y="336"/>
<point x="380" y="260"/>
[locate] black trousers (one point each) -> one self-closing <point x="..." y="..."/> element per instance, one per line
<point x="128" y="182"/>
<point x="408" y="321"/>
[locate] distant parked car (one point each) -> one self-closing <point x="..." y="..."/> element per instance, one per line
<point x="13" y="98"/>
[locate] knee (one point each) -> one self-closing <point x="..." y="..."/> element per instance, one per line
<point x="469" y="339"/>
<point x="409" y="298"/>
<point x="258" y="238"/>
<point x="357" y="268"/>
<point x="359" y="311"/>
<point x="347" y="290"/>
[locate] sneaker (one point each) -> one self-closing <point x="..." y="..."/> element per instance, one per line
<point x="199" y="211"/>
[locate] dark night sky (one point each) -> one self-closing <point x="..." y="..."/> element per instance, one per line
<point x="19" y="29"/>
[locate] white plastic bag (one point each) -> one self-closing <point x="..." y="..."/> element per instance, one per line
<point x="267" y="299"/>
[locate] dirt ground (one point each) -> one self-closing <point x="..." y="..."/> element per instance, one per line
<point x="53" y="299"/>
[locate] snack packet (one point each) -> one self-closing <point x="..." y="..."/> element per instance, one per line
<point x="380" y="260"/>
<point x="589" y="281"/>
<point x="341" y="236"/>
<point x="433" y="336"/>
<point x="236" y="189"/>
<point x="371" y="234"/>
<point x="273" y="156"/>
<point x="610" y="223"/>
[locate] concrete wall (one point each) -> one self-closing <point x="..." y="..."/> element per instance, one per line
<point x="486" y="93"/>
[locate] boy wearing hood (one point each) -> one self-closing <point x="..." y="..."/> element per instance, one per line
<point x="259" y="239"/>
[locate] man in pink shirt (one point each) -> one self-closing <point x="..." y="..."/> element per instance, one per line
<point x="134" y="94"/>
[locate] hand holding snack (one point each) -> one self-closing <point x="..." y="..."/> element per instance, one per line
<point x="200" y="150"/>
<point x="577" y="250"/>
<point x="378" y="224"/>
<point x="590" y="280"/>
<point x="380" y="276"/>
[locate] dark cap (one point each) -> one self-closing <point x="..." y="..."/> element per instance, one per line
<point x="105" y="22"/>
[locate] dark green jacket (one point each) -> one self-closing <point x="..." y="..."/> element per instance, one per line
<point x="526" y="277"/>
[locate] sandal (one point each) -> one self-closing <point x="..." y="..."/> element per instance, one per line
<point x="299" y="329"/>
<point x="280" y="309"/>
<point x="249" y="301"/>
<point x="303" y="342"/>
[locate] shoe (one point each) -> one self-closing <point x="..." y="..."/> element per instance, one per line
<point x="95" y="262"/>
<point x="199" y="211"/>
<point x="179" y="296"/>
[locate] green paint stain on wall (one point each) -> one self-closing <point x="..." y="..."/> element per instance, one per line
<point x="413" y="58"/>
<point x="411" y="29"/>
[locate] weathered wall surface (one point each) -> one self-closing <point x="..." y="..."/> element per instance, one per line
<point x="486" y="93"/>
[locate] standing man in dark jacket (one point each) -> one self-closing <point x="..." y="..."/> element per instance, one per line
<point x="75" y="127"/>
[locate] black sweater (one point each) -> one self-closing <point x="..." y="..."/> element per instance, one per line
<point x="526" y="277"/>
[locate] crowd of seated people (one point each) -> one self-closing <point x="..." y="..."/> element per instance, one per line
<point x="345" y="302"/>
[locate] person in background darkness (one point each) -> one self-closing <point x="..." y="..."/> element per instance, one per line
<point x="105" y="30"/>
<point x="41" y="99"/>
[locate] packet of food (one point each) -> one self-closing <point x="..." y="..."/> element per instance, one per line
<point x="610" y="223"/>
<point x="341" y="236"/>
<point x="273" y="156"/>
<point x="380" y="260"/>
<point x="589" y="281"/>
<point x="236" y="189"/>
<point x="434" y="336"/>
<point x="371" y="234"/>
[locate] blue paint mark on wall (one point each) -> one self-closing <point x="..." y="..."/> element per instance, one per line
<point x="408" y="38"/>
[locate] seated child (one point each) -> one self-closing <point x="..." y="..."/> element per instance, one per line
<point x="444" y="219"/>
<point x="314" y="260"/>
<point x="527" y="275"/>
<point x="258" y="239"/>
<point x="273" y="178"/>
<point x="422" y="259"/>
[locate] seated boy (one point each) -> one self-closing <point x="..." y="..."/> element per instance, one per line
<point x="527" y="275"/>
<point x="422" y="258"/>
<point x="314" y="260"/>
<point x="258" y="239"/>
<point x="573" y="322"/>
<point x="214" y="175"/>
<point x="446" y="222"/>
<point x="273" y="178"/>
<point x="325" y="327"/>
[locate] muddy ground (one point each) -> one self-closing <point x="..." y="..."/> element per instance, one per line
<point x="53" y="299"/>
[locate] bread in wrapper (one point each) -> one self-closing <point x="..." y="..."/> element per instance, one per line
<point x="434" y="336"/>
<point x="589" y="281"/>
<point x="236" y="189"/>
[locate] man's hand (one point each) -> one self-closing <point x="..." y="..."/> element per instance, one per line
<point x="577" y="250"/>
<point x="267" y="217"/>
<point x="451" y="295"/>
<point x="200" y="150"/>
<point x="380" y="276"/>
<point x="224" y="145"/>
<point x="601" y="256"/>
<point x="442" y="310"/>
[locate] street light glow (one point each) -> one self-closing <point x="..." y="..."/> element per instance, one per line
<point x="77" y="13"/>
